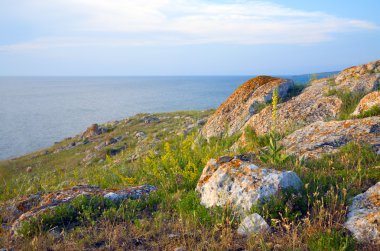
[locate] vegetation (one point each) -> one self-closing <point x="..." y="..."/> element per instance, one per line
<point x="349" y="101"/>
<point x="173" y="216"/>
<point x="374" y="111"/>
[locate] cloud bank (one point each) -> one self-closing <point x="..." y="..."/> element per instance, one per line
<point x="76" y="23"/>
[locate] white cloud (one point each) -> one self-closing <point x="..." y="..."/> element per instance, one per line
<point x="134" y="22"/>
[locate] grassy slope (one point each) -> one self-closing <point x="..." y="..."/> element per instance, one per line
<point x="57" y="170"/>
<point x="173" y="217"/>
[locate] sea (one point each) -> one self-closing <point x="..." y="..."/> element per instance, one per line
<point x="35" y="112"/>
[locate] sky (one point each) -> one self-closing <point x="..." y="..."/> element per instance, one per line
<point x="185" y="37"/>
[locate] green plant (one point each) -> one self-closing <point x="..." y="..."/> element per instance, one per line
<point x="349" y="101"/>
<point x="85" y="210"/>
<point x="287" y="204"/>
<point x="273" y="152"/>
<point x="374" y="111"/>
<point x="331" y="241"/>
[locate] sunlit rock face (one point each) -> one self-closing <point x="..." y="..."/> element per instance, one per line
<point x="327" y="137"/>
<point x="243" y="104"/>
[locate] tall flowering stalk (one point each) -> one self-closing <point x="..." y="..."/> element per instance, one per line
<point x="274" y="109"/>
<point x="273" y="151"/>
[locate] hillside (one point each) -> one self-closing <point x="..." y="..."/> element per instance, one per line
<point x="277" y="166"/>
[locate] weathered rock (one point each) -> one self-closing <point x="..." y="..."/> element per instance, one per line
<point x="367" y="102"/>
<point x="35" y="205"/>
<point x="241" y="184"/>
<point x="151" y="119"/>
<point x="181" y="248"/>
<point x="201" y="122"/>
<point x="117" y="150"/>
<point x="239" y="107"/>
<point x="308" y="107"/>
<point x="140" y="135"/>
<point x="327" y="137"/>
<point x="108" y="142"/>
<point x="253" y="224"/>
<point x="312" y="104"/>
<point x="93" y="130"/>
<point x="361" y="78"/>
<point x="364" y="216"/>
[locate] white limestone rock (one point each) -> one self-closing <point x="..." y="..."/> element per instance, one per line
<point x="363" y="219"/>
<point x="241" y="184"/>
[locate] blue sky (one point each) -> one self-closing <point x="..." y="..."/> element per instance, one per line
<point x="185" y="37"/>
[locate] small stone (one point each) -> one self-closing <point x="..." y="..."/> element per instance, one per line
<point x="277" y="247"/>
<point x="172" y="236"/>
<point x="29" y="169"/>
<point x="140" y="135"/>
<point x="151" y="119"/>
<point x="224" y="159"/>
<point x="201" y="122"/>
<point x="253" y="224"/>
<point x="112" y="196"/>
<point x="181" y="248"/>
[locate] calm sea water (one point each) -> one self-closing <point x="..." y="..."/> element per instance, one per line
<point x="37" y="111"/>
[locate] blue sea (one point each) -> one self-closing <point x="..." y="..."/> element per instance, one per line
<point x="37" y="111"/>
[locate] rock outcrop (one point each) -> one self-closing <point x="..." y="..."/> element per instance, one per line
<point x="37" y="204"/>
<point x="243" y="103"/>
<point x="363" y="219"/>
<point x="315" y="103"/>
<point x="367" y="102"/>
<point x="92" y="131"/>
<point x="327" y="137"/>
<point x="362" y="78"/>
<point x="241" y="184"/>
<point x="308" y="107"/>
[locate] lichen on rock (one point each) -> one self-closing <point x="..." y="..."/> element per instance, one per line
<point x="240" y="106"/>
<point x="241" y="184"/>
<point x="367" y="102"/>
<point x="327" y="137"/>
<point x="363" y="219"/>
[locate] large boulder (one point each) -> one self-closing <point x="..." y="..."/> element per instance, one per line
<point x="327" y="137"/>
<point x="243" y="103"/>
<point x="241" y="184"/>
<point x="37" y="204"/>
<point x="363" y="219"/>
<point x="367" y="102"/>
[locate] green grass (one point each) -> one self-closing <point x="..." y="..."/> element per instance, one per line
<point x="331" y="241"/>
<point x="374" y="111"/>
<point x="85" y="210"/>
<point x="312" y="218"/>
<point x="350" y="100"/>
